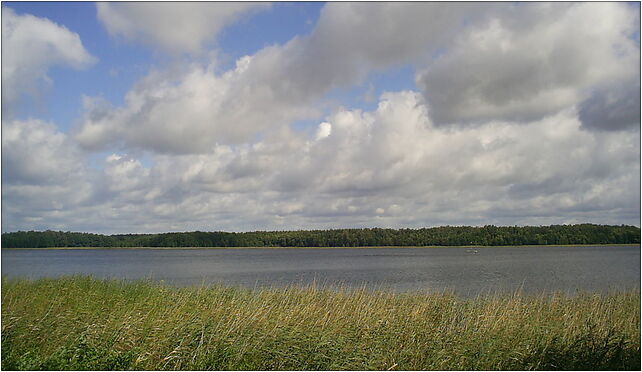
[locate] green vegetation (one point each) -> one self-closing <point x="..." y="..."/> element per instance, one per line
<point x="441" y="236"/>
<point x="83" y="323"/>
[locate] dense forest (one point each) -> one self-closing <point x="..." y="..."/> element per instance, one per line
<point x="442" y="236"/>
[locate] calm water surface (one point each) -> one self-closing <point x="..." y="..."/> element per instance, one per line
<point x="467" y="271"/>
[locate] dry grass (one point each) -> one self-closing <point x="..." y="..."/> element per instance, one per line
<point x="85" y="323"/>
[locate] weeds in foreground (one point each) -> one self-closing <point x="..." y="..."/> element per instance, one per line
<point x="80" y="323"/>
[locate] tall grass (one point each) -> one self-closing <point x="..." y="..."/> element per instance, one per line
<point x="85" y="323"/>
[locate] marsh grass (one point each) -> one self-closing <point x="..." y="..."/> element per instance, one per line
<point x="80" y="323"/>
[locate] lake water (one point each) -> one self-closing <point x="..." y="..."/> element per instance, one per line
<point x="466" y="271"/>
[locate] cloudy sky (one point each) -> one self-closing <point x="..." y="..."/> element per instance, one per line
<point x="153" y="117"/>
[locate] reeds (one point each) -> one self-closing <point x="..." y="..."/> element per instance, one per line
<point x="86" y="323"/>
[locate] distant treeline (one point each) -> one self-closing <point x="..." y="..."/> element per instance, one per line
<point x="445" y="235"/>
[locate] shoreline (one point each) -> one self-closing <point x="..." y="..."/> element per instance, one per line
<point x="359" y="247"/>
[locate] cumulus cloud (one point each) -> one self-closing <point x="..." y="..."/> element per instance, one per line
<point x="188" y="111"/>
<point x="172" y="26"/>
<point x="44" y="176"/>
<point x="387" y="167"/>
<point x="531" y="60"/>
<point x="324" y="130"/>
<point x="31" y="46"/>
<point x="193" y="109"/>
<point x="222" y="155"/>
<point x="352" y="39"/>
<point x="34" y="152"/>
<point x="490" y="62"/>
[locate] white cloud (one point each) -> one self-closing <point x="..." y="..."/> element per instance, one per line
<point x="508" y="62"/>
<point x="324" y="130"/>
<point x="532" y="60"/>
<point x="223" y="156"/>
<point x="189" y="111"/>
<point x="387" y="167"/>
<point x="34" y="152"/>
<point x="353" y="38"/>
<point x="44" y="178"/>
<point x="31" y="46"/>
<point x="192" y="110"/>
<point x="125" y="174"/>
<point x="174" y="27"/>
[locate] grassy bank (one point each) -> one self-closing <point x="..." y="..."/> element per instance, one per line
<point x="84" y="323"/>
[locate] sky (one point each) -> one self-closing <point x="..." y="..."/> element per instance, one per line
<point x="126" y="117"/>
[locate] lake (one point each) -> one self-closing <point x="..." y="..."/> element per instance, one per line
<point x="466" y="271"/>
